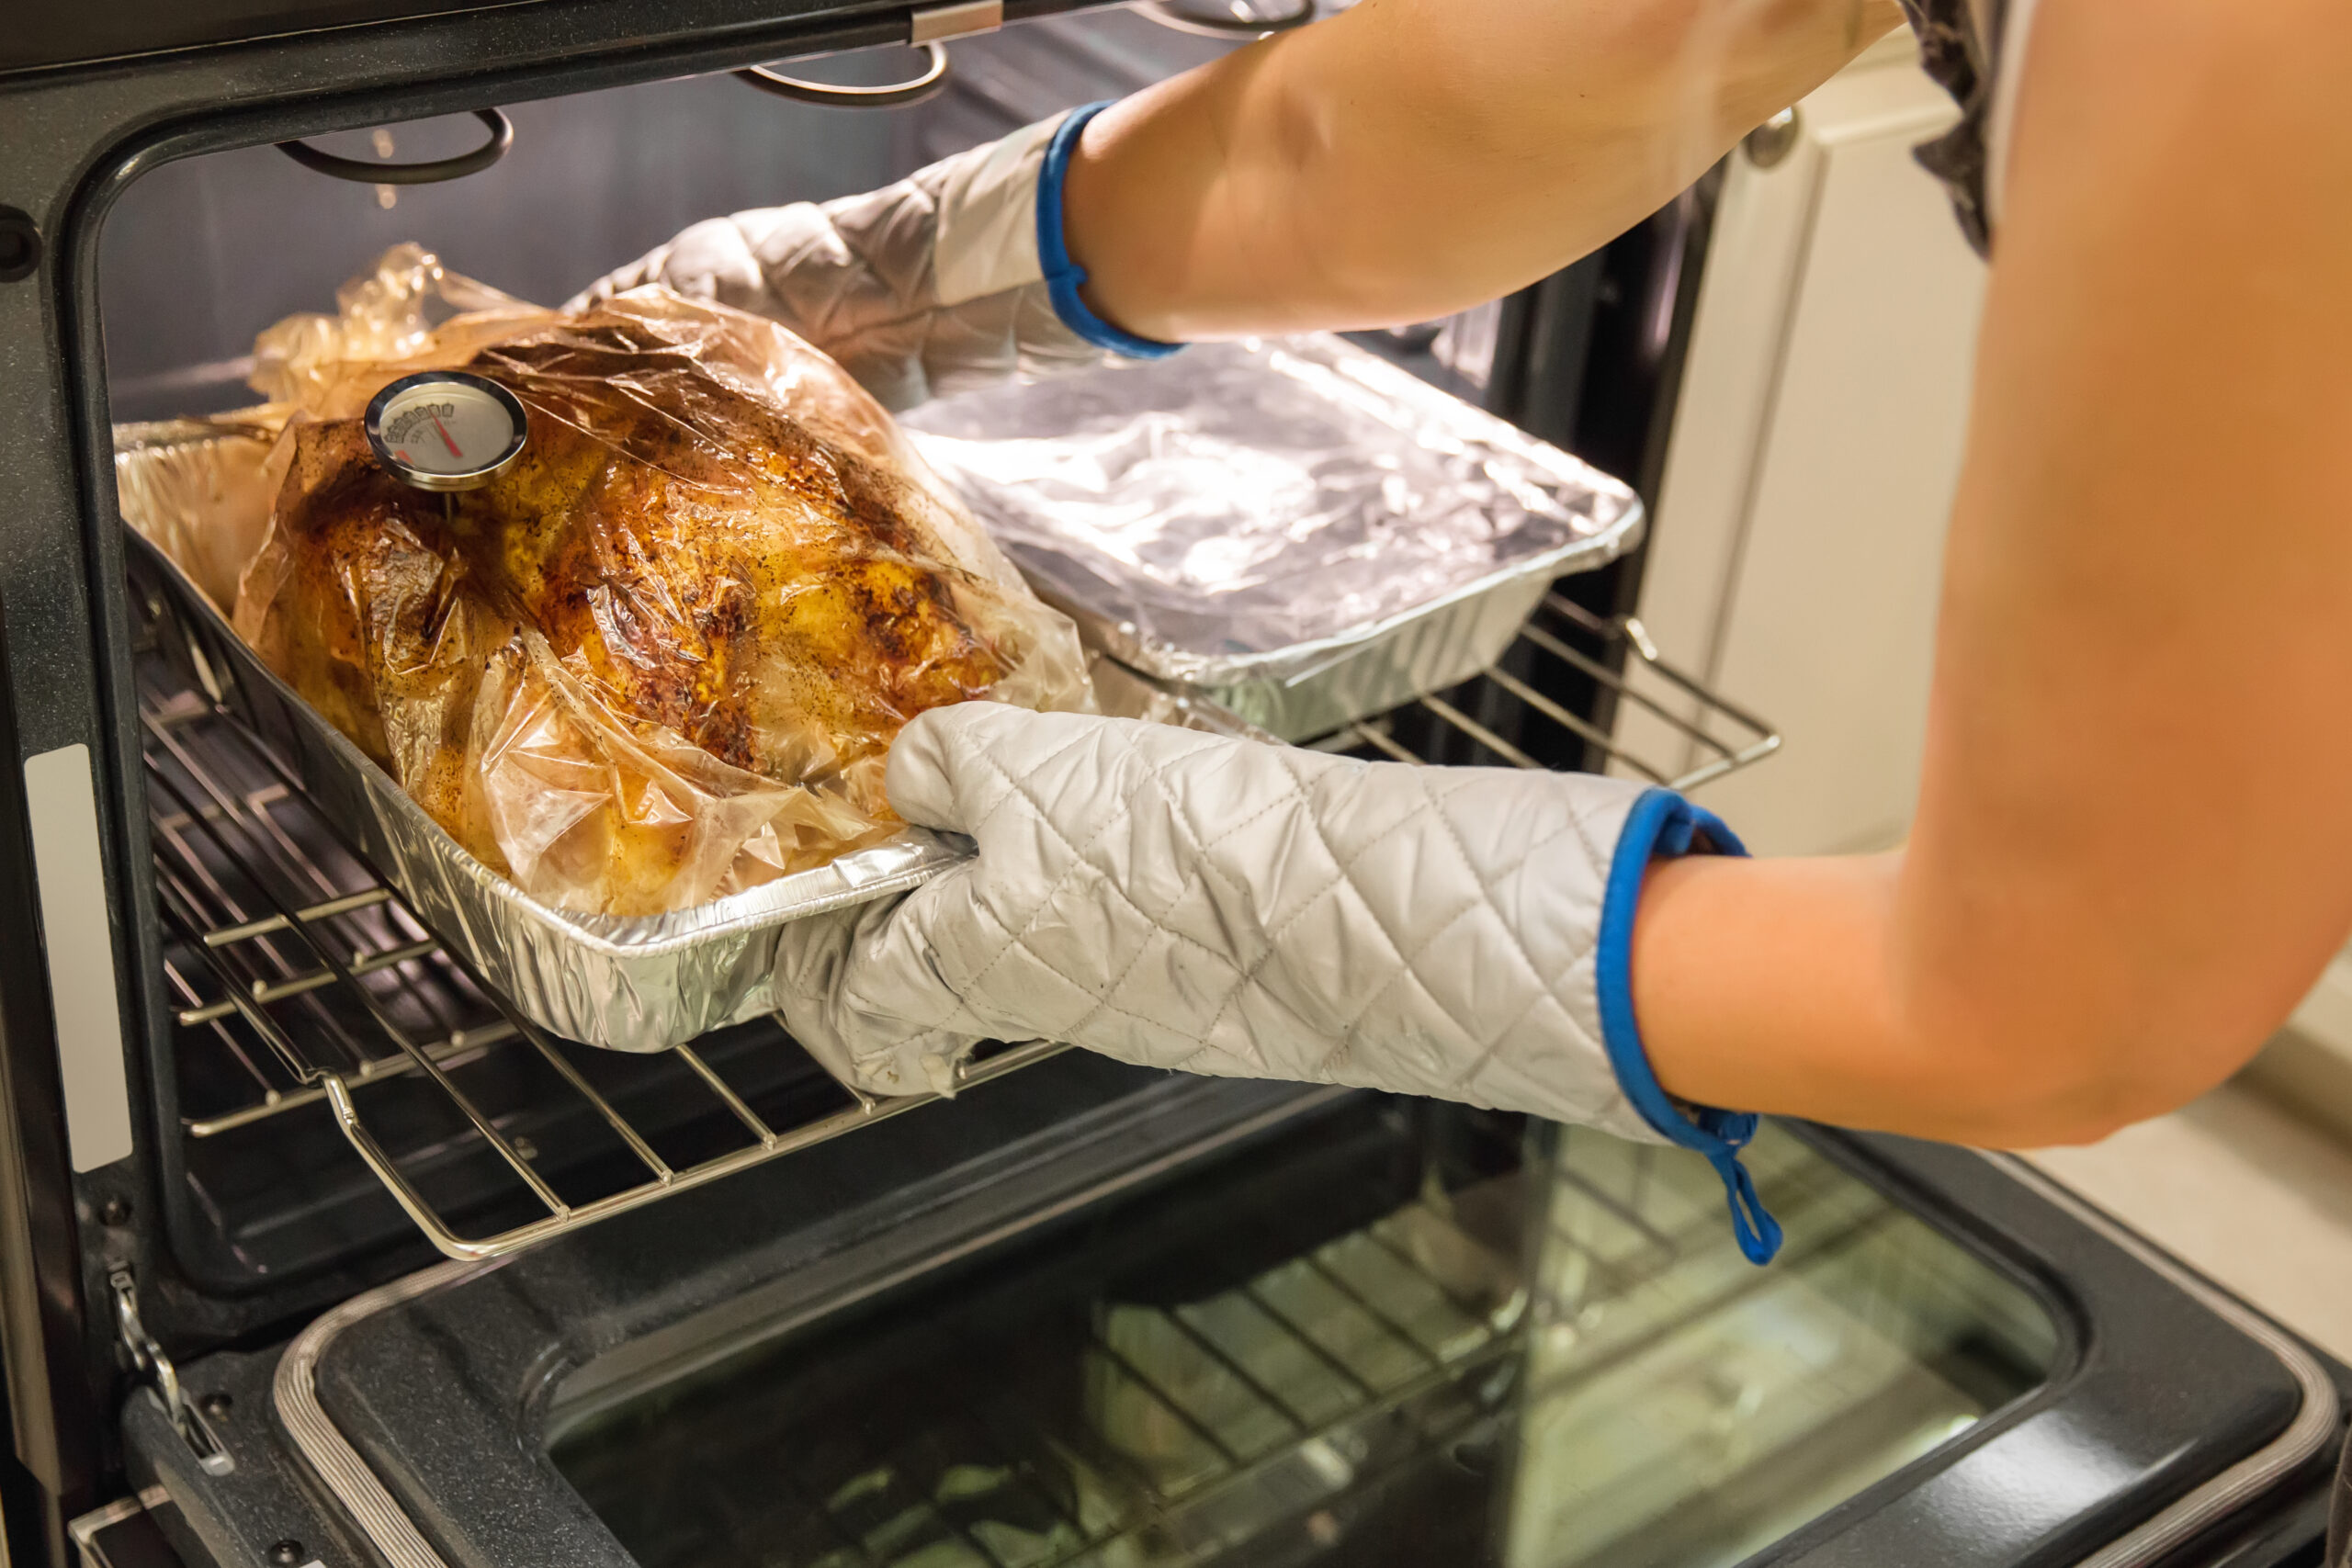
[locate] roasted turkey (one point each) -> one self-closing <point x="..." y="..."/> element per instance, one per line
<point x="661" y="656"/>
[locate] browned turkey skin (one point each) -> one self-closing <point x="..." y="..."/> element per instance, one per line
<point x="738" y="596"/>
<point x="693" y="558"/>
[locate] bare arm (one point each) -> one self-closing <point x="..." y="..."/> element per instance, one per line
<point x="1410" y="158"/>
<point x="2133" y="851"/>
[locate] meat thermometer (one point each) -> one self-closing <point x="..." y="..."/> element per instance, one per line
<point x="446" y="429"/>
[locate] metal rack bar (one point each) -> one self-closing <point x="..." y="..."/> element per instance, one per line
<point x="451" y="1053"/>
<point x="314" y="980"/>
<point x="1378" y="734"/>
<point x="603" y="1108"/>
<point x="178" y="915"/>
<point x="200" y="876"/>
<point x="368" y="898"/>
<point x="257" y="817"/>
<point x="728" y="1097"/>
<point x="1366" y="1393"/>
<point x="1371" y="1309"/>
<point x="1637" y="637"/>
<point x="229" y="1041"/>
<point x="1242" y="1374"/>
<point x="1379" y="740"/>
<point x="1167" y="1401"/>
<point x="288" y="1053"/>
<point x="318" y="910"/>
<point x="383" y="1021"/>
<point x="1590" y="733"/>
<point x="522" y="1236"/>
<point x="1481" y="733"/>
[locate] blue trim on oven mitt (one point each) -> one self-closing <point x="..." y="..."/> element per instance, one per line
<point x="1065" y="277"/>
<point x="1664" y="824"/>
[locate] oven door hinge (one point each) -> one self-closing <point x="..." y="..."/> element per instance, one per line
<point x="148" y="1358"/>
<point x="967" y="19"/>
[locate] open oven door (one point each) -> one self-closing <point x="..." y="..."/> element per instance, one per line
<point x="1094" y="1316"/>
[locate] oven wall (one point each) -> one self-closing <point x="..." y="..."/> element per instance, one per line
<point x="200" y="256"/>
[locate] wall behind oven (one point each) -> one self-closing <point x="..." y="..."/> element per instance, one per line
<point x="1799" y="549"/>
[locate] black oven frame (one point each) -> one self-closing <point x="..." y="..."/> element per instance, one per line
<point x="170" y="83"/>
<point x="89" y="104"/>
<point x="87" y="108"/>
<point x="81" y="130"/>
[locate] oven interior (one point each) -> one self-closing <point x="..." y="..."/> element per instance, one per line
<point x="293" y="995"/>
<point x="324" y="1080"/>
<point x="200" y="254"/>
<point x="330" y="1099"/>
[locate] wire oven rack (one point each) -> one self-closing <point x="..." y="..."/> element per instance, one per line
<point x="299" y="979"/>
<point x="1503" y="715"/>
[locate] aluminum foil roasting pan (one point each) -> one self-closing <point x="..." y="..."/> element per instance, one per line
<point x="641" y="982"/>
<point x="1295" y="527"/>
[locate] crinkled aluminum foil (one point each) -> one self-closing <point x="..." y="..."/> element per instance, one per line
<point x="627" y="983"/>
<point x="1295" y="526"/>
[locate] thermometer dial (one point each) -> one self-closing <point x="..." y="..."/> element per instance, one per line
<point x="446" y="429"/>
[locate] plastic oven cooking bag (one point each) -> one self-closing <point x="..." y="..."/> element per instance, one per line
<point x="661" y="657"/>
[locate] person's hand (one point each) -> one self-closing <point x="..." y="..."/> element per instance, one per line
<point x="954" y="277"/>
<point x="1182" y="900"/>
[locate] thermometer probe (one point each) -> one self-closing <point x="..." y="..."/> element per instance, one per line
<point x="446" y="430"/>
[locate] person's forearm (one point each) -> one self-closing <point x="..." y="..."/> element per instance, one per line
<point x="2132" y="854"/>
<point x="1784" y="986"/>
<point x="1409" y="158"/>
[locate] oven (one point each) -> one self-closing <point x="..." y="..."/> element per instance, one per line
<point x="313" y="1249"/>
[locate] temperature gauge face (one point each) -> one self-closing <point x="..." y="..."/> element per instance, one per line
<point x="446" y="429"/>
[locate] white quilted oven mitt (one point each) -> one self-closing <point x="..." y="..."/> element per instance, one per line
<point x="956" y="277"/>
<point x="1181" y="900"/>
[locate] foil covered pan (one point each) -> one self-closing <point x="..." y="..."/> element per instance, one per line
<point x="1295" y="527"/>
<point x="627" y="984"/>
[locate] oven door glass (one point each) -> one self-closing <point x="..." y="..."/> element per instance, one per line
<point x="1403" y="1341"/>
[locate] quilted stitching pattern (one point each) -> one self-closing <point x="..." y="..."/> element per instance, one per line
<point x="1178" y="901"/>
<point x="858" y="277"/>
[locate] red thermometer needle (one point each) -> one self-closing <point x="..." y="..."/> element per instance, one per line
<point x="446" y="439"/>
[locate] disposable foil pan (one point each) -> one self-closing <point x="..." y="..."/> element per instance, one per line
<point x="643" y="983"/>
<point x="1295" y="527"/>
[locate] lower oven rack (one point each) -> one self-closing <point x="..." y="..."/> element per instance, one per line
<point x="317" y="982"/>
<point x="299" y="979"/>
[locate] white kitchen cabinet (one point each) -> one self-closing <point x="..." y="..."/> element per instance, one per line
<point x="1801" y="522"/>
